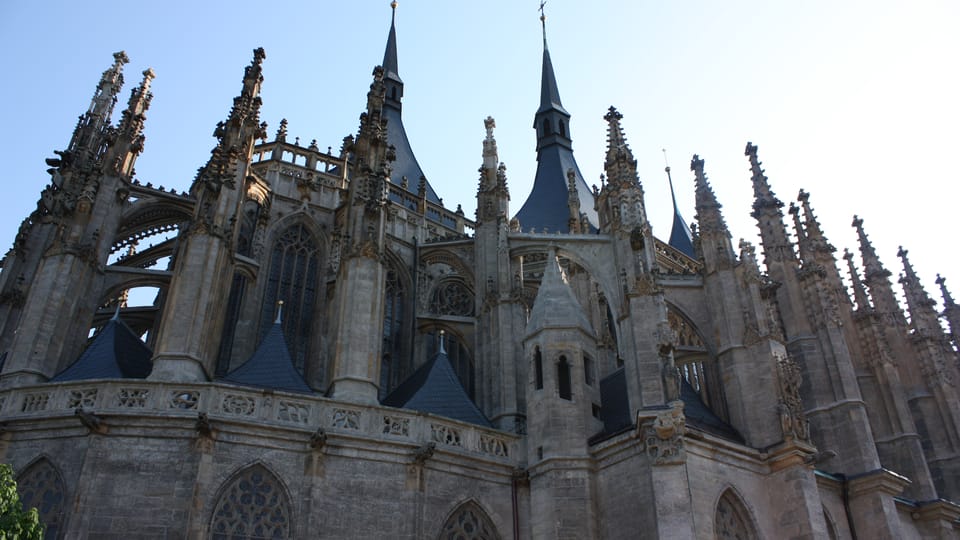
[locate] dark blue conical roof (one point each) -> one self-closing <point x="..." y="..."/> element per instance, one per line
<point x="270" y="366"/>
<point x="435" y="388"/>
<point x="115" y="353"/>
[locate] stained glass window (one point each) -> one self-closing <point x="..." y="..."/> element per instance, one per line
<point x="41" y="487"/>
<point x="252" y="506"/>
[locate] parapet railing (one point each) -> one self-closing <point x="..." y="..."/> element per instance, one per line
<point x="269" y="408"/>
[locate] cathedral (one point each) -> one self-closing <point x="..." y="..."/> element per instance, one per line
<point x="332" y="352"/>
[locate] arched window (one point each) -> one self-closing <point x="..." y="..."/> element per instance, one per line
<point x="563" y="128"/>
<point x="452" y="297"/>
<point x="253" y="505"/>
<point x="234" y="301"/>
<point x="732" y="521"/>
<point x="393" y="320"/>
<point x="41" y="487"/>
<point x="538" y="367"/>
<point x="468" y="522"/>
<point x="546" y="127"/>
<point x="563" y="379"/>
<point x="293" y="276"/>
<point x="249" y="215"/>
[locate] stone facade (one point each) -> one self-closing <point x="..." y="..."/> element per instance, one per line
<point x="632" y="388"/>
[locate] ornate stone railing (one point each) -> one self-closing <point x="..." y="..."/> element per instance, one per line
<point x="277" y="409"/>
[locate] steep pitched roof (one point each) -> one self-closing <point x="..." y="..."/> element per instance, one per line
<point x="435" y="388"/>
<point x="406" y="164"/>
<point x="616" y="416"/>
<point x="546" y="206"/>
<point x="115" y="353"/>
<point x="555" y="305"/>
<point x="270" y="366"/>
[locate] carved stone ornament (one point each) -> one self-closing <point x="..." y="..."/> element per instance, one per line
<point x="793" y="421"/>
<point x="661" y="434"/>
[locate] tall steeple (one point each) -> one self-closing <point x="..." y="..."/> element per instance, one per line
<point x="406" y="168"/>
<point x="546" y="206"/>
<point x="680" y="237"/>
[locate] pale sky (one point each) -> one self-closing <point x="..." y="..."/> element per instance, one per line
<point x="855" y="101"/>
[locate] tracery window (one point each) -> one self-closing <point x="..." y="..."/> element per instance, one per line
<point x="452" y="297"/>
<point x="294" y="272"/>
<point x="732" y="521"/>
<point x="252" y="506"/>
<point x="41" y="487"/>
<point x="393" y="320"/>
<point x="468" y="522"/>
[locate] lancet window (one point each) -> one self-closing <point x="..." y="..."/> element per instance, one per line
<point x="41" y="487"/>
<point x="394" y="305"/>
<point x="293" y="276"/>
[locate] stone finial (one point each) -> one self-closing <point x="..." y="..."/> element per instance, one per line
<point x="947" y="299"/>
<point x="282" y="131"/>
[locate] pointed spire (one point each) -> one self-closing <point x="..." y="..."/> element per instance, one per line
<point x="680" y="236"/>
<point x="803" y="244"/>
<point x="549" y="91"/>
<point x="872" y="267"/>
<point x="709" y="218"/>
<point x="763" y="195"/>
<point x="391" y="71"/>
<point x="92" y="126"/>
<point x="812" y="225"/>
<point x="923" y="315"/>
<point x="620" y="166"/>
<point x="129" y="141"/>
<point x="545" y="208"/>
<point x="859" y="292"/>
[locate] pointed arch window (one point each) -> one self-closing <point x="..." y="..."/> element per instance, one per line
<point x="252" y="506"/>
<point x="538" y="368"/>
<point x="563" y="128"/>
<point x="294" y="273"/>
<point x="468" y="522"/>
<point x="41" y="487"/>
<point x="393" y="320"/>
<point x="546" y="127"/>
<point x="563" y="379"/>
<point x="732" y="520"/>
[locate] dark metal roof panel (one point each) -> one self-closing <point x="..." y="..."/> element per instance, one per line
<point x="546" y="206"/>
<point x="680" y="237"/>
<point x="115" y="353"/>
<point x="406" y="163"/>
<point x="435" y="388"/>
<point x="270" y="366"/>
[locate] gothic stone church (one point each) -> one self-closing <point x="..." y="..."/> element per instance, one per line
<point x="333" y="353"/>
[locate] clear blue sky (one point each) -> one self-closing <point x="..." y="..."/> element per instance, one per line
<point x="855" y="101"/>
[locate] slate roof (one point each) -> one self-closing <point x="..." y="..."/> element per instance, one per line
<point x="616" y="417"/>
<point x="435" y="388"/>
<point x="680" y="237"/>
<point x="270" y="366"/>
<point x="406" y="164"/>
<point x="115" y="353"/>
<point x="546" y="206"/>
